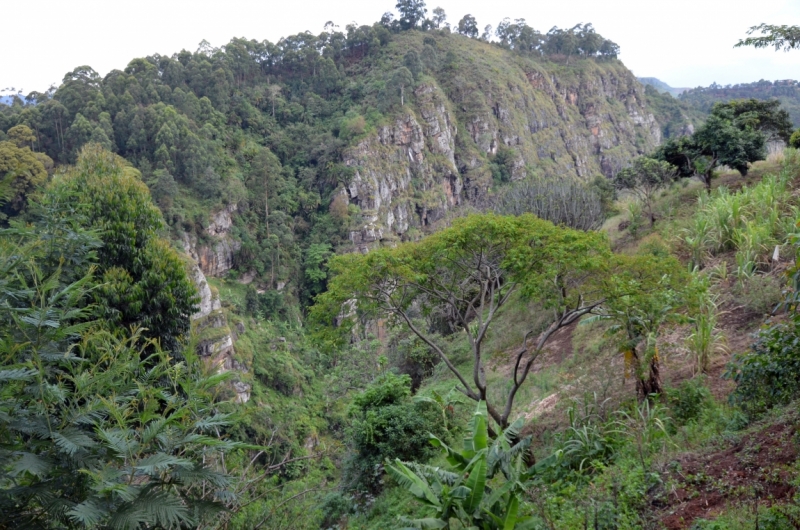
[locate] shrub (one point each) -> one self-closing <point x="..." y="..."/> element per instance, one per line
<point x="387" y="424"/>
<point x="769" y="374"/>
<point x="688" y="400"/>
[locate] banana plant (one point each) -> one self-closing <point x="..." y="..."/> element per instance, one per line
<point x="483" y="486"/>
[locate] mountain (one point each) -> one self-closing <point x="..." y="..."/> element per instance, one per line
<point x="661" y="86"/>
<point x="786" y="91"/>
<point x="375" y="139"/>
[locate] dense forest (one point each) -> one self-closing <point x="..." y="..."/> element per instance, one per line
<point x="412" y="274"/>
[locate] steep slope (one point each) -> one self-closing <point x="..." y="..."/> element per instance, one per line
<point x="479" y="104"/>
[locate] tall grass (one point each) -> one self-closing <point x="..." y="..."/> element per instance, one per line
<point x="751" y="221"/>
<point x="705" y="339"/>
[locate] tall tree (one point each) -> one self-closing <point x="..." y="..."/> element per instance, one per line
<point x="144" y="280"/>
<point x="468" y="273"/>
<point x="725" y="139"/>
<point x="439" y="18"/>
<point x="468" y="26"/>
<point x="412" y="12"/>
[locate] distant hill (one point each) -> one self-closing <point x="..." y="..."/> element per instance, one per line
<point x="661" y="86"/>
<point x="787" y="91"/>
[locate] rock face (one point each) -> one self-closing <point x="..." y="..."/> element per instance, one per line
<point x="406" y="175"/>
<point x="215" y="259"/>
<point x="435" y="155"/>
<point x="216" y="344"/>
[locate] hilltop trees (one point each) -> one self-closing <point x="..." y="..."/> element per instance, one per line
<point x="412" y="12"/>
<point x="468" y="27"/>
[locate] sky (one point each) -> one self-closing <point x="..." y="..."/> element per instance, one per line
<point x="685" y="43"/>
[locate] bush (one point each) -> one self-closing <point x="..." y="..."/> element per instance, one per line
<point x="769" y="374"/>
<point x="688" y="401"/>
<point x="387" y="424"/>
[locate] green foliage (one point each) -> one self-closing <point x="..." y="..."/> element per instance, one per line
<point x="769" y="374"/>
<point x="588" y="445"/>
<point x="786" y="37"/>
<point x="97" y="429"/>
<point x="751" y="221"/>
<point x="705" y="339"/>
<point x="732" y="135"/>
<point x="21" y="171"/>
<point x="645" y="178"/>
<point x="387" y="424"/>
<point x="503" y="164"/>
<point x="794" y="140"/>
<point x="688" y="401"/>
<point x="642" y="293"/>
<point x="144" y="280"/>
<point x="482" y="486"/>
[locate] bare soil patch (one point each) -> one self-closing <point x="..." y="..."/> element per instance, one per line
<point x="754" y="470"/>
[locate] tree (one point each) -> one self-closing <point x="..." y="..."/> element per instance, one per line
<point x="411" y="13"/>
<point x="401" y="79"/>
<point x="725" y="139"/>
<point x="93" y="432"/>
<point x="388" y="424"/>
<point x="467" y="273"/>
<point x="22" y="136"/>
<point x="765" y="116"/>
<point x="21" y="172"/>
<point x="468" y="26"/>
<point x="439" y="18"/>
<point x="645" y="178"/>
<point x="786" y="37"/>
<point x="641" y="293"/>
<point x="794" y="140"/>
<point x="144" y="280"/>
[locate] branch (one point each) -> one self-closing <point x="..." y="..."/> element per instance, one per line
<point x="440" y="353"/>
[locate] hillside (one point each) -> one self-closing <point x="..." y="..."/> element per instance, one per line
<point x="786" y="91"/>
<point x="353" y="210"/>
<point x="220" y="130"/>
<point x="661" y="86"/>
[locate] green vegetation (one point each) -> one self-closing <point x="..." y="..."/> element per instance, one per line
<point x="786" y="92"/>
<point x="344" y="302"/>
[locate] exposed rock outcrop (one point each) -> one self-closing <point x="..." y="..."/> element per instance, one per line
<point x="216" y="343"/>
<point x="216" y="257"/>
<point x="572" y="124"/>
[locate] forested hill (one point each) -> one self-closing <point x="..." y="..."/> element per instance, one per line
<point x="265" y="157"/>
<point x="786" y="91"/>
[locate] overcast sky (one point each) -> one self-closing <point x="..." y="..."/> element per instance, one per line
<point x="685" y="43"/>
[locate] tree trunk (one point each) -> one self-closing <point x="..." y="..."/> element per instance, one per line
<point x="651" y="383"/>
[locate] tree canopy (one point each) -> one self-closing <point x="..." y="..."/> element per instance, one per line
<point x="466" y="273"/>
<point x="144" y="280"/>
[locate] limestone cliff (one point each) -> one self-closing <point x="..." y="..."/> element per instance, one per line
<point x="558" y="121"/>
<point x="215" y="336"/>
<point x="215" y="254"/>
